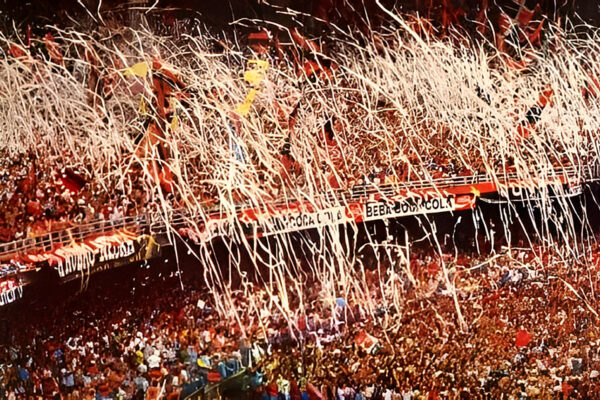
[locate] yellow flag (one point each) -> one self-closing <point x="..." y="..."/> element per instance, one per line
<point x="139" y="69"/>
<point x="244" y="108"/>
<point x="256" y="71"/>
<point x="253" y="77"/>
<point x="173" y="103"/>
<point x="143" y="110"/>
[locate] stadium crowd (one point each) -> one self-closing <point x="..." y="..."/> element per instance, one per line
<point x="39" y="194"/>
<point x="527" y="327"/>
<point x="530" y="332"/>
<point x="42" y="192"/>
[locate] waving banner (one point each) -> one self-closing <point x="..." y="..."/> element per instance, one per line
<point x="97" y="254"/>
<point x="11" y="290"/>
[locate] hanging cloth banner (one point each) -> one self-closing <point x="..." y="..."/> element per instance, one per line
<point x="98" y="254"/>
<point x="11" y="290"/>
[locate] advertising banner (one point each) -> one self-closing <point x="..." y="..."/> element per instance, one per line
<point x="11" y="290"/>
<point x="408" y="206"/>
<point x="293" y="221"/>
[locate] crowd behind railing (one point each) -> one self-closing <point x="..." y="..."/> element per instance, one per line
<point x="112" y="218"/>
<point x="45" y="204"/>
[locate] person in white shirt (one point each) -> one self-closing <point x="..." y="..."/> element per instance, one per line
<point x="154" y="360"/>
<point x="387" y="395"/>
<point x="183" y="377"/>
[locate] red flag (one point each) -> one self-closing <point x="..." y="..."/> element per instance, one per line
<point x="166" y="179"/>
<point x="333" y="181"/>
<point x="524" y="16"/>
<point x="366" y="341"/>
<point x="53" y="48"/>
<point x="482" y="17"/>
<point x="592" y="88"/>
<point x="70" y="181"/>
<point x="534" y="37"/>
<point x="16" y="51"/>
<point x="504" y="23"/>
<point x="545" y="97"/>
<point x="523" y="132"/>
<point x="523" y="338"/>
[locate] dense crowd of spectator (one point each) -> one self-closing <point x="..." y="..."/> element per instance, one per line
<point x="39" y="194"/>
<point x="45" y="192"/>
<point x="116" y="341"/>
<point x="522" y="324"/>
<point x="529" y="331"/>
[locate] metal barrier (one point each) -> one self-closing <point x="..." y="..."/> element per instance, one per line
<point x="236" y="386"/>
<point x="150" y="222"/>
<point x="52" y="239"/>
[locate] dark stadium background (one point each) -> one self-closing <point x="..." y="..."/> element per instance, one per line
<point x="219" y="14"/>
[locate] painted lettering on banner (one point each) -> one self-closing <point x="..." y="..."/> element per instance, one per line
<point x="408" y="206"/>
<point x="289" y="221"/>
<point x="78" y="257"/>
<point x="110" y="253"/>
<point x="540" y="193"/>
<point x="74" y="258"/>
<point x="11" y="290"/>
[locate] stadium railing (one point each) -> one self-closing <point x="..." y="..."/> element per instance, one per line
<point x="177" y="218"/>
<point x="235" y="386"/>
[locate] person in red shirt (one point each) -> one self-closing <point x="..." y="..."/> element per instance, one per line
<point x="50" y="388"/>
<point x="433" y="393"/>
<point x="153" y="392"/>
<point x="103" y="388"/>
<point x="92" y="369"/>
<point x="566" y="390"/>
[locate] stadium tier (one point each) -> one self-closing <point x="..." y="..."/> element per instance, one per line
<point x="84" y="250"/>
